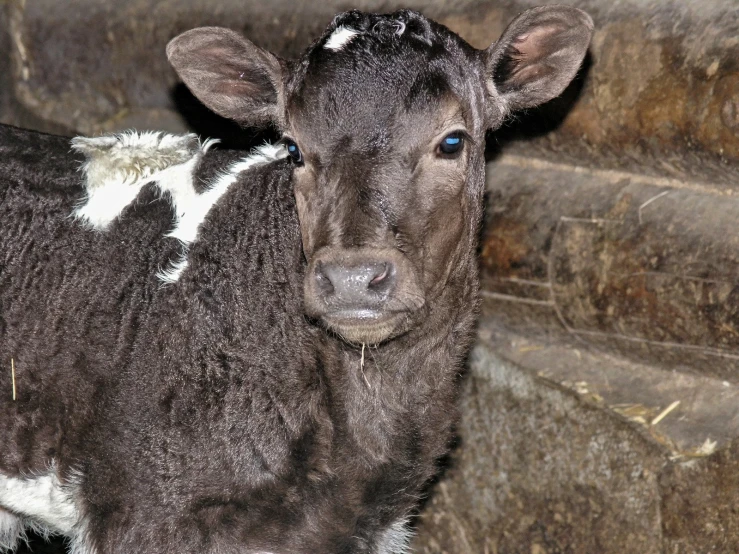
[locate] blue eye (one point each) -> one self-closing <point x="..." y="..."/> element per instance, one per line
<point x="452" y="144"/>
<point x="293" y="151"/>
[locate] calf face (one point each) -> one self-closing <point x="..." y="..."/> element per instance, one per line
<point x="384" y="119"/>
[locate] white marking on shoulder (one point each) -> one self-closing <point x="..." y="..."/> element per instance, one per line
<point x="12" y="531"/>
<point x="41" y="499"/>
<point x="396" y="539"/>
<point x="339" y="38"/>
<point x="192" y="209"/>
<point x="45" y="505"/>
<point x="118" y="166"/>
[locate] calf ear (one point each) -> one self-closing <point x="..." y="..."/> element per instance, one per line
<point x="537" y="56"/>
<point x="229" y="74"/>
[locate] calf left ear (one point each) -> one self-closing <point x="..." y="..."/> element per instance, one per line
<point x="537" y="56"/>
<point x="229" y="74"/>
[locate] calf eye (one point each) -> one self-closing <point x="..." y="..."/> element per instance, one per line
<point x="451" y="144"/>
<point x="293" y="151"/>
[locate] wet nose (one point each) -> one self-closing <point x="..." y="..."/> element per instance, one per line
<point x="360" y="285"/>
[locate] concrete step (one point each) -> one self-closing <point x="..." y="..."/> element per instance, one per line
<point x="565" y="451"/>
<point x="642" y="267"/>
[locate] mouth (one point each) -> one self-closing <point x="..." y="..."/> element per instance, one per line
<point x="363" y="326"/>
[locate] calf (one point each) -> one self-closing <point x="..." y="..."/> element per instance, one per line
<point x="267" y="362"/>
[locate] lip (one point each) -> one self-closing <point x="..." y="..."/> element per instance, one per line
<point x="363" y="325"/>
<point x="359" y="315"/>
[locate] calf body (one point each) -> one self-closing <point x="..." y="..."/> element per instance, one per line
<point x="291" y="386"/>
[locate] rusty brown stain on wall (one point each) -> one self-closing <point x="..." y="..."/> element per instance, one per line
<point x="653" y="93"/>
<point x="504" y="248"/>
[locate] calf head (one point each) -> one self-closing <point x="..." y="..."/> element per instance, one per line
<point x="384" y="118"/>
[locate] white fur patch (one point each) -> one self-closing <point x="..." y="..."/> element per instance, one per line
<point x="172" y="273"/>
<point x="12" y="531"/>
<point x="396" y="539"/>
<point x="339" y="38"/>
<point x="118" y="166"/>
<point x="42" y="500"/>
<point x="191" y="208"/>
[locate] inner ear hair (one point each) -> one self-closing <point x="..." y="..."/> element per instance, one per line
<point x="538" y="55"/>
<point x="229" y="74"/>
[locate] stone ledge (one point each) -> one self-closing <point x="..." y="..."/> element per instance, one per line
<point x="549" y="468"/>
<point x="540" y="471"/>
<point x="638" y="266"/>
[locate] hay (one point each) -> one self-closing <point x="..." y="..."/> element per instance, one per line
<point x="666" y="411"/>
<point x="12" y="376"/>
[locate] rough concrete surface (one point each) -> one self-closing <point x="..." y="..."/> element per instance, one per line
<point x="539" y="471"/>
<point x="643" y="267"/>
<point x="92" y="65"/>
<point x="687" y="413"/>
<point x="549" y="468"/>
<point x="660" y="94"/>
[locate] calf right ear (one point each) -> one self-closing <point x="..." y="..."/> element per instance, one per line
<point x="229" y="74"/>
<point x="537" y="56"/>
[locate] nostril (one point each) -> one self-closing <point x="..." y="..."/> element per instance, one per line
<point x="379" y="277"/>
<point x="323" y="280"/>
<point x="382" y="279"/>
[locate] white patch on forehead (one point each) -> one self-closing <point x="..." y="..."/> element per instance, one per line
<point x="118" y="166"/>
<point x="191" y="209"/>
<point x="339" y="38"/>
<point x="42" y="500"/>
<point x="396" y="539"/>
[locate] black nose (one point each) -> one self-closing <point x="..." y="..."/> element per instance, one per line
<point x="363" y="285"/>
